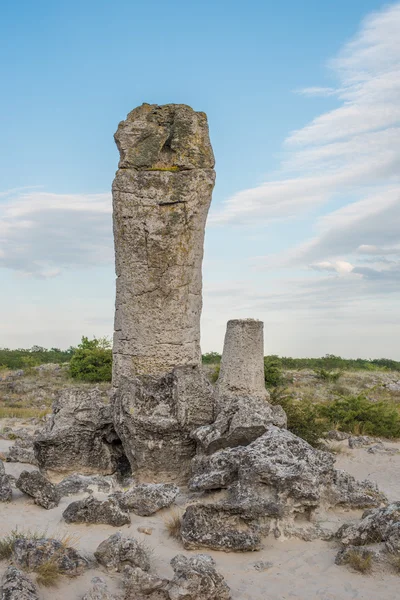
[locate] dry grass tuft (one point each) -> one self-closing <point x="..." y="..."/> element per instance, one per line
<point x="360" y="561"/>
<point x="48" y="574"/>
<point x="173" y="525"/>
<point x="10" y="412"/>
<point x="395" y="562"/>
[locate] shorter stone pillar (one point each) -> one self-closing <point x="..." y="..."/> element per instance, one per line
<point x="242" y="363"/>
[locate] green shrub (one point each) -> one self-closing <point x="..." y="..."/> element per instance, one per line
<point x="357" y="413"/>
<point x="211" y="358"/>
<point x="215" y="373"/>
<point x="303" y="418"/>
<point x="273" y="371"/>
<point x="329" y="376"/>
<point x="92" y="360"/>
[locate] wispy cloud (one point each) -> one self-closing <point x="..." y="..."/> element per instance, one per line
<point x="43" y="233"/>
<point x="350" y="150"/>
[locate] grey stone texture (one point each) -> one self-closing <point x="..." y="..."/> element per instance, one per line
<point x="17" y="586"/>
<point x="80" y="435"/>
<point x="146" y="499"/>
<point x="377" y="525"/>
<point x="161" y="196"/>
<point x="267" y="484"/>
<point x="5" y="485"/>
<point x="34" y="484"/>
<point x="90" y="510"/>
<point x="154" y="417"/>
<point x="99" y="591"/>
<point x="30" y="554"/>
<point x="116" y="552"/>
<point x="242" y="362"/>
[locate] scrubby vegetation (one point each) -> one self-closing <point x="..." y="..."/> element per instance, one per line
<point x="32" y="357"/>
<point x="92" y="360"/>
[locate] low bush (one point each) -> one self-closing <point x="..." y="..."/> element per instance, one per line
<point x="329" y="376"/>
<point x="92" y="360"/>
<point x="303" y="418"/>
<point x="273" y="371"/>
<point x="358" y="414"/>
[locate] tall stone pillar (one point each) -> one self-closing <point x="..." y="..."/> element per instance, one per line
<point x="161" y="196"/>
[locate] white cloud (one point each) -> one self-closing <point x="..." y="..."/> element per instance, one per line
<point x="43" y="233"/>
<point x="350" y="150"/>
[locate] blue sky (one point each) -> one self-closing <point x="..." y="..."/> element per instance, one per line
<point x="302" y="101"/>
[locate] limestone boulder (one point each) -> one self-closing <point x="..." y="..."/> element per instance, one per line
<point x="146" y="499"/>
<point x="241" y="421"/>
<point x="154" y="417"/>
<point x="196" y="578"/>
<point x="5" y="485"/>
<point x="377" y="525"/>
<point x="34" y="484"/>
<point x="141" y="585"/>
<point x="30" y="554"/>
<point x="80" y="435"/>
<point x="17" y="586"/>
<point x="116" y="552"/>
<point x="218" y="528"/>
<point x="91" y="510"/>
<point x="77" y="484"/>
<point x="100" y="591"/>
<point x="23" y="451"/>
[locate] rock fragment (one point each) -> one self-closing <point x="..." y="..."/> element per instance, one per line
<point x="99" y="591"/>
<point x="17" y="586"/>
<point x="196" y="578"/>
<point x="146" y="499"/>
<point x="34" y="484"/>
<point x="77" y="484"/>
<point x="91" y="510"/>
<point x="80" y="435"/>
<point x="116" y="552"/>
<point x="30" y="554"/>
<point x="5" y="485"/>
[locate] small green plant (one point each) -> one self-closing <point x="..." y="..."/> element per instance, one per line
<point x="92" y="361"/>
<point x="328" y="376"/>
<point x="303" y="418"/>
<point x="211" y="358"/>
<point x="273" y="371"/>
<point x="215" y="374"/>
<point x="360" y="560"/>
<point x="173" y="525"/>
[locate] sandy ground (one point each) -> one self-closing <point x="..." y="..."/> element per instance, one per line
<point x="300" y="570"/>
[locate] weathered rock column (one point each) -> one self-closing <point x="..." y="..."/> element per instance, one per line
<point x="161" y="196"/>
<point x="242" y="363"/>
<point x="243" y="412"/>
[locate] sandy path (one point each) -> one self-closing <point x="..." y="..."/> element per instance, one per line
<point x="300" y="570"/>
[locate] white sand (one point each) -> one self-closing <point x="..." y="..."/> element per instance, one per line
<point x="300" y="570"/>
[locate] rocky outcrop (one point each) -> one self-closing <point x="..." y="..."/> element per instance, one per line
<point x="90" y="510"/>
<point x="147" y="499"/>
<point x="377" y="525"/>
<point x="34" y="484"/>
<point x="17" y="586"/>
<point x="5" y="485"/>
<point x="268" y="484"/>
<point x="23" y="451"/>
<point x="154" y="418"/>
<point x="80" y="435"/>
<point x="99" y="591"/>
<point x="116" y="552"/>
<point x="77" y="484"/>
<point x="242" y="362"/>
<point x="161" y="196"/>
<point x="30" y="554"/>
<point x="243" y="413"/>
<point x="195" y="578"/>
